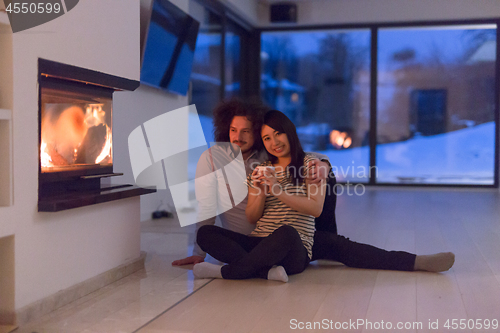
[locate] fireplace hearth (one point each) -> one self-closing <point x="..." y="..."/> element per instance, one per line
<point x="76" y="136"/>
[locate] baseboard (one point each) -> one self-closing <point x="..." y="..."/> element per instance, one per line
<point x="7" y="328"/>
<point x="48" y="304"/>
<point x="7" y="318"/>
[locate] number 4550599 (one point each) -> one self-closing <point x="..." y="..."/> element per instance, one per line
<point x="455" y="324"/>
<point x="33" y="8"/>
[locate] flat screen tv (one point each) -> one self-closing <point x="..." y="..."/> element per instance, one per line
<point x="169" y="46"/>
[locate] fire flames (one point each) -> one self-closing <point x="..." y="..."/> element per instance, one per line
<point x="75" y="136"/>
<point x="44" y="156"/>
<point x="106" y="151"/>
<point x="340" y="139"/>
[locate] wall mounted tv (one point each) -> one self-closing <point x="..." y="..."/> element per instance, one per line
<point x="169" y="48"/>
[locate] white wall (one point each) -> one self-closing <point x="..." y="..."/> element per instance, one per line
<point x="145" y="103"/>
<point x="54" y="251"/>
<point x="247" y="9"/>
<point x="367" y="11"/>
<point x="131" y="110"/>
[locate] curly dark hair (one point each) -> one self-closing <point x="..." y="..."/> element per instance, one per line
<point x="224" y="113"/>
<point x="278" y="121"/>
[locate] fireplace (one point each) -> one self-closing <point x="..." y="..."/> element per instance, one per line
<point x="76" y="136"/>
<point x="76" y="129"/>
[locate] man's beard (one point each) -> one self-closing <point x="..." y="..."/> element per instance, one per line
<point x="243" y="150"/>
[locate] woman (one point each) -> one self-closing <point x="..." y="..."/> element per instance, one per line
<point x="281" y="203"/>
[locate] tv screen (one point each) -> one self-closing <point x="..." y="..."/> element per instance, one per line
<point x="169" y="48"/>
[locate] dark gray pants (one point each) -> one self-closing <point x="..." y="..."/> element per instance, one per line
<point x="330" y="246"/>
<point x="250" y="257"/>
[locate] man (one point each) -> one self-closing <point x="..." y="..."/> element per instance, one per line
<point x="239" y="123"/>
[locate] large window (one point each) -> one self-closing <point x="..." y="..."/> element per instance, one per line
<point x="218" y="71"/>
<point x="206" y="74"/>
<point x="436" y="105"/>
<point x="321" y="81"/>
<point x="233" y="60"/>
<point x="428" y="116"/>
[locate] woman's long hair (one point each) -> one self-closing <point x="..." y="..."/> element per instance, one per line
<point x="253" y="109"/>
<point x="281" y="123"/>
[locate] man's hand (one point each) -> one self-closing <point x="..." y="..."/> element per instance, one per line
<point x="193" y="260"/>
<point x="318" y="171"/>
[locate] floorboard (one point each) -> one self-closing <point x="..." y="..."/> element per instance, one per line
<point x="166" y="299"/>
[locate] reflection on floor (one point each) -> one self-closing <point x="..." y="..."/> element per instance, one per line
<point x="326" y="295"/>
<point x="136" y="299"/>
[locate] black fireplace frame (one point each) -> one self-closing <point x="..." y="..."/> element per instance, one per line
<point x="71" y="86"/>
<point x="72" y="188"/>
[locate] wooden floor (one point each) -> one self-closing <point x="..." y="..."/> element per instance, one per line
<point x="466" y="222"/>
<point x="421" y="221"/>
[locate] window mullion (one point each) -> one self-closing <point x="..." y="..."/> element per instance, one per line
<point x="373" y="104"/>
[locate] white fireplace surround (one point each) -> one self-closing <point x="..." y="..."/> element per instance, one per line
<point x="43" y="253"/>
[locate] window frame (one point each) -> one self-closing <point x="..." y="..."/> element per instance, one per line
<point x="247" y="50"/>
<point x="374" y="29"/>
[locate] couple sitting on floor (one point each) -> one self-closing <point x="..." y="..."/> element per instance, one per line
<point x="273" y="232"/>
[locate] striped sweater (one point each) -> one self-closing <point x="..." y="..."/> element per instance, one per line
<point x="276" y="213"/>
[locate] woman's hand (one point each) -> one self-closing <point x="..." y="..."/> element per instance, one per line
<point x="269" y="179"/>
<point x="256" y="198"/>
<point x="257" y="179"/>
